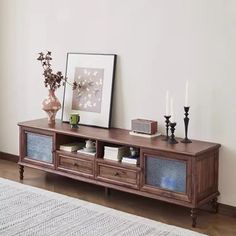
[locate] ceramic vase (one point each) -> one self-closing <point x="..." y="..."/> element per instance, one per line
<point x="51" y="105"/>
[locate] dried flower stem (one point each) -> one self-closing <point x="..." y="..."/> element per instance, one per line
<point x="53" y="80"/>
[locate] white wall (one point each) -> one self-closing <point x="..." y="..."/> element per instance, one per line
<point x="159" y="43"/>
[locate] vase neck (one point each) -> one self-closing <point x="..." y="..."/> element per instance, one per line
<point x="51" y="92"/>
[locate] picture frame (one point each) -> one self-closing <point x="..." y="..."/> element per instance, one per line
<point x="95" y="75"/>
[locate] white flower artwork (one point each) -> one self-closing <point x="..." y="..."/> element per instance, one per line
<point x="92" y="99"/>
<point x="89" y="96"/>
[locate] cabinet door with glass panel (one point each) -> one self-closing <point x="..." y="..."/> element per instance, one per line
<point x="166" y="174"/>
<point x="38" y="149"/>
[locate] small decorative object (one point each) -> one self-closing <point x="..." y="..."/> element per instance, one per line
<point x="52" y="81"/>
<point x="93" y="74"/>
<point x="144" y="126"/>
<point x="172" y="124"/>
<point x="186" y="121"/>
<point x="167" y="103"/>
<point x="186" y="94"/>
<point x="89" y="144"/>
<point x="74" y="120"/>
<point x="133" y="151"/>
<point x="167" y="127"/>
<point x="167" y="116"/>
<point x="172" y="139"/>
<point x="131" y="157"/>
<point x="51" y="105"/>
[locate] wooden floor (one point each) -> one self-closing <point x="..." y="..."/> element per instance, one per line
<point x="208" y="223"/>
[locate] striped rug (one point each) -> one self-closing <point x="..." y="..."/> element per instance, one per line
<point x="26" y="210"/>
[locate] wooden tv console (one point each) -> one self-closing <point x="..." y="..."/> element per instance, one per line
<point x="183" y="174"/>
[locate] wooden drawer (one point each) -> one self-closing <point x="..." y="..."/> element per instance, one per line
<point x="118" y="175"/>
<point x="79" y="166"/>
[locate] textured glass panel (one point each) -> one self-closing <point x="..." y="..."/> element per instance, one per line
<point x="166" y="174"/>
<point x="39" y="147"/>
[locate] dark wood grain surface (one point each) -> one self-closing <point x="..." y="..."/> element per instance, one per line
<point x="200" y="158"/>
<point x="121" y="136"/>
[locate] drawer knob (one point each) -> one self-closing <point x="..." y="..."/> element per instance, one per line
<point x="117" y="174"/>
<point x="75" y="164"/>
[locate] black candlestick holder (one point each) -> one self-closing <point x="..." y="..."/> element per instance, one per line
<point x="167" y="128"/>
<point x="172" y="139"/>
<point x="186" y="121"/>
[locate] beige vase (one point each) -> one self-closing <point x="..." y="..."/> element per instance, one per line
<point x="51" y="105"/>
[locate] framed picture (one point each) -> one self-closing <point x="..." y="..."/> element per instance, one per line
<point x="94" y="73"/>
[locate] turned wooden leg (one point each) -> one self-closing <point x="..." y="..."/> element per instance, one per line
<point x="194" y="217"/>
<point x="21" y="172"/>
<point x="107" y="192"/>
<point x="215" y="205"/>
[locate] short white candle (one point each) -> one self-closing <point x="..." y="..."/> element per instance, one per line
<point x="167" y="103"/>
<point x="172" y="118"/>
<point x="186" y="94"/>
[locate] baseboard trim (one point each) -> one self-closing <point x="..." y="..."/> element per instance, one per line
<point x="223" y="208"/>
<point x="227" y="210"/>
<point x="9" y="157"/>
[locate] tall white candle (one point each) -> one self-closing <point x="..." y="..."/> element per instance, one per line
<point x="186" y="94"/>
<point x="167" y="103"/>
<point x="172" y="110"/>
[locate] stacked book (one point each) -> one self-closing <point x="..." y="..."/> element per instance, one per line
<point x="114" y="153"/>
<point x="71" y="147"/>
<point x="130" y="159"/>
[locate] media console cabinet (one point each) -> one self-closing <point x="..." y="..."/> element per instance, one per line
<point x="183" y="174"/>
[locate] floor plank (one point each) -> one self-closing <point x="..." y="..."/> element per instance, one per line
<point x="208" y="223"/>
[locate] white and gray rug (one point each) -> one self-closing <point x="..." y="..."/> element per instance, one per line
<point x="25" y="210"/>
